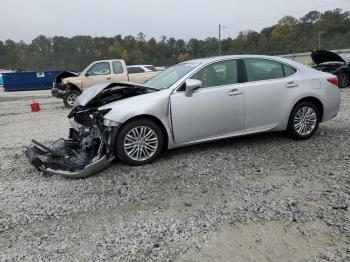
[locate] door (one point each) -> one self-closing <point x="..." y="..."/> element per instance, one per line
<point x="119" y="74"/>
<point x="99" y="72"/>
<point x="269" y="84"/>
<point x="217" y="108"/>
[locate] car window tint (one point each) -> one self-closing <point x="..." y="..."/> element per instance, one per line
<point x="101" y="68"/>
<point x="288" y="70"/>
<point x="151" y="68"/>
<point x="218" y="74"/>
<point x="135" y="70"/>
<point x="262" y="69"/>
<point x="117" y="67"/>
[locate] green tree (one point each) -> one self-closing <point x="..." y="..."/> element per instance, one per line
<point x="75" y="53"/>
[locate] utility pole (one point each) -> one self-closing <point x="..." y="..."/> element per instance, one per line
<point x="219" y="39"/>
<point x="319" y="39"/>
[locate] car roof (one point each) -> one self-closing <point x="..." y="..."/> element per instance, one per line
<point x="106" y="60"/>
<point x="138" y="65"/>
<point x="215" y="58"/>
<point x="218" y="58"/>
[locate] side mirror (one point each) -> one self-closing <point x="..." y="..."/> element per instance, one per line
<point x="87" y="74"/>
<point x="192" y="84"/>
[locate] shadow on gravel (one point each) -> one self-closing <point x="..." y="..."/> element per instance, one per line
<point x="248" y="140"/>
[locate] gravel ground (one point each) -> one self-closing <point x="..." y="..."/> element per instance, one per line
<point x="257" y="198"/>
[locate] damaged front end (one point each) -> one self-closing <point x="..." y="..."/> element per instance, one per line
<point x="59" y="89"/>
<point x="88" y="150"/>
<point x="90" y="147"/>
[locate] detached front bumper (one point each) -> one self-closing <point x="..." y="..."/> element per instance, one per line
<point x="33" y="156"/>
<point x="66" y="158"/>
<point x="89" y="149"/>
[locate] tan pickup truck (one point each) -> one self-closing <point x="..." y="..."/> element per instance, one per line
<point x="69" y="85"/>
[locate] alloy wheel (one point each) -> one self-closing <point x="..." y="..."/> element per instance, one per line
<point x="305" y="120"/>
<point x="141" y="143"/>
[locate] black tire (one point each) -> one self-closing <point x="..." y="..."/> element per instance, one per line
<point x="69" y="99"/>
<point x="344" y="79"/>
<point x="293" y="121"/>
<point x="128" y="127"/>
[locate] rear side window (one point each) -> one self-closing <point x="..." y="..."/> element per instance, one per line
<point x="288" y="70"/>
<point x="262" y="69"/>
<point x="135" y="70"/>
<point x="117" y="67"/>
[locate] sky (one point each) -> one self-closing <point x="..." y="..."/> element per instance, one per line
<point x="26" y="19"/>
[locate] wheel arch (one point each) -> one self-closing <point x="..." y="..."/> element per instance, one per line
<point x="71" y="86"/>
<point x="155" y="120"/>
<point x="312" y="100"/>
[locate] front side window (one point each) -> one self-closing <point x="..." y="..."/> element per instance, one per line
<point x="117" y="67"/>
<point x="262" y="69"/>
<point x="218" y="74"/>
<point x="101" y="68"/>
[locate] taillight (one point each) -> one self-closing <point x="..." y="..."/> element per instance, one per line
<point x="334" y="81"/>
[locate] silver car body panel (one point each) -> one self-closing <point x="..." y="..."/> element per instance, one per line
<point x="206" y="115"/>
<point x="209" y="103"/>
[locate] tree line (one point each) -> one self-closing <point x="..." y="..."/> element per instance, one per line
<point x="289" y="35"/>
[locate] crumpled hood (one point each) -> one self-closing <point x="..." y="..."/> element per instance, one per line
<point x="324" y="56"/>
<point x="65" y="74"/>
<point x="91" y="93"/>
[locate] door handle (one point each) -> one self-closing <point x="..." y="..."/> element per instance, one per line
<point x="291" y="84"/>
<point x="235" y="92"/>
<point x="108" y="78"/>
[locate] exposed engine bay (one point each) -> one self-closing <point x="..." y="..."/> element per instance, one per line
<point x="90" y="147"/>
<point x="59" y="89"/>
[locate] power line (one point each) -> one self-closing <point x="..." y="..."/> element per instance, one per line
<point x="292" y="12"/>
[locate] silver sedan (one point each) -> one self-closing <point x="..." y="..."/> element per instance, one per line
<point x="198" y="101"/>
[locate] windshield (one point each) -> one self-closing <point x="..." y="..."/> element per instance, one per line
<point x="168" y="77"/>
<point x="346" y="58"/>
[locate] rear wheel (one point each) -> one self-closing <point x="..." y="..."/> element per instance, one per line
<point x="139" y="142"/>
<point x="303" y="121"/>
<point x="344" y="79"/>
<point x="69" y="99"/>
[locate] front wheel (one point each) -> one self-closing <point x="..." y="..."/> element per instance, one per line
<point x="303" y="121"/>
<point x="69" y="99"/>
<point x="139" y="142"/>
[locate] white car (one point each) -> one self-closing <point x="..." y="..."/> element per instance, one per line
<point x="135" y="69"/>
<point x="141" y="73"/>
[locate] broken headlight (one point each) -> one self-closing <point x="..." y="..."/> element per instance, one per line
<point x="108" y="122"/>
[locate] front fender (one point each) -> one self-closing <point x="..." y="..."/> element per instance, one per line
<point x="75" y="82"/>
<point x="153" y="104"/>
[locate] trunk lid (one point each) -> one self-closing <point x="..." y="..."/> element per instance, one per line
<point x="324" y="56"/>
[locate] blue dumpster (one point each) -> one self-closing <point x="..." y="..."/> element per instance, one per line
<point x="1" y="82"/>
<point x="25" y="81"/>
